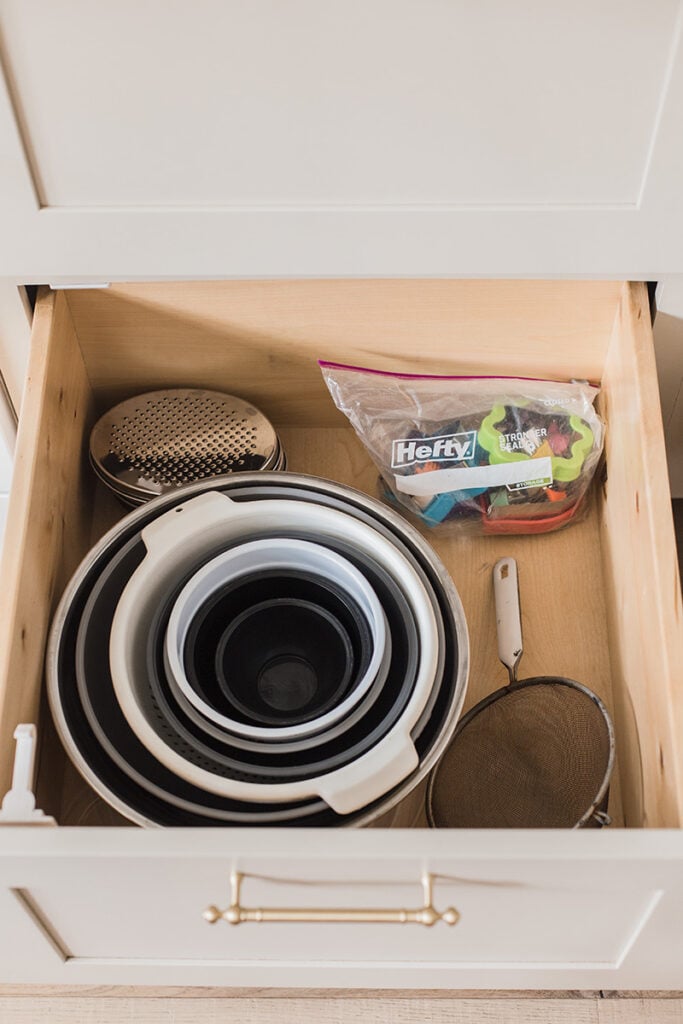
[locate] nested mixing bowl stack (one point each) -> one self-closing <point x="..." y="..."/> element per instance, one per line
<point x="258" y="649"/>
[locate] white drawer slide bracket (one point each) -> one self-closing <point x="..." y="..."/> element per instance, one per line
<point x="19" y="803"/>
<point x="426" y="915"/>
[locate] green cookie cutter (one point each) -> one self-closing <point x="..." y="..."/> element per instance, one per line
<point x="564" y="470"/>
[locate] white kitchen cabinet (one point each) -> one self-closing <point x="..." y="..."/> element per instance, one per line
<point x="153" y="141"/>
<point x="148" y="139"/>
<point x="125" y="907"/>
<point x="590" y="909"/>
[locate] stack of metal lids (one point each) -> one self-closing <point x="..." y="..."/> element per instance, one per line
<point x="161" y="440"/>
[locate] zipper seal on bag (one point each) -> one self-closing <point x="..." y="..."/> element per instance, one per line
<point x="325" y="364"/>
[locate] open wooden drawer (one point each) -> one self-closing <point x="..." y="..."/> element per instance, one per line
<point x="98" y="901"/>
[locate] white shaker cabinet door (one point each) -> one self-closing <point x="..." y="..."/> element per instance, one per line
<point x="537" y="910"/>
<point x="255" y="138"/>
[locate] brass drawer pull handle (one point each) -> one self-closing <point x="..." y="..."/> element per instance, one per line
<point x="426" y="915"/>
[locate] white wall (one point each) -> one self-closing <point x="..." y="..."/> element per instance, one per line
<point x="5" y="477"/>
<point x="14" y="345"/>
<point x="668" y="332"/>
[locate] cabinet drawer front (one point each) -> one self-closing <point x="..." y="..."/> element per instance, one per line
<point x="530" y="913"/>
<point x="538" y="909"/>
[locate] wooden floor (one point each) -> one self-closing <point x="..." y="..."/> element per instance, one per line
<point x="108" y="1007"/>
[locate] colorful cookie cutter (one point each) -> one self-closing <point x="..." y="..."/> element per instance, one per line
<point x="529" y="526"/>
<point x="563" y="469"/>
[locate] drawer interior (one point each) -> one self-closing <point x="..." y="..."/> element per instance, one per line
<point x="601" y="599"/>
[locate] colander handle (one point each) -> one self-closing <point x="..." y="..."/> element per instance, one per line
<point x="508" y="616"/>
<point x="370" y="776"/>
<point x="195" y="516"/>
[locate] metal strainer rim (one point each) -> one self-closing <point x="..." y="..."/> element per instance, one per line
<point x="503" y="691"/>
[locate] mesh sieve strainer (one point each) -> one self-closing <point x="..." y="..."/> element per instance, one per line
<point x="537" y="753"/>
<point x="161" y="440"/>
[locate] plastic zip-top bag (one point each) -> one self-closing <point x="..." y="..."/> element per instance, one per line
<point x="508" y="455"/>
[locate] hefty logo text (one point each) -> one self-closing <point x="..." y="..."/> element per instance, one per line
<point x="445" y="448"/>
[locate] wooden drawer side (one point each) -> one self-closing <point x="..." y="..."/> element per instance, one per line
<point x="263" y="338"/>
<point x="47" y="519"/>
<point x="641" y="576"/>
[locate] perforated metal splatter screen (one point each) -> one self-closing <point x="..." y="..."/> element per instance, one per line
<point x="538" y="754"/>
<point x="163" y="439"/>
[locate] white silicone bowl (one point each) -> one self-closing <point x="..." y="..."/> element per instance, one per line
<point x="263" y="556"/>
